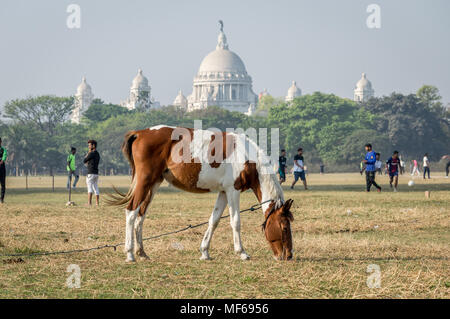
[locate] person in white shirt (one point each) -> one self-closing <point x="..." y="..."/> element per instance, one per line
<point x="299" y="171"/>
<point x="426" y="166"/>
<point x="378" y="164"/>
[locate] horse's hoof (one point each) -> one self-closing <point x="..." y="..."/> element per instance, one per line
<point x="142" y="255"/>
<point x="145" y="257"/>
<point x="130" y="260"/>
<point x="244" y="256"/>
<point x="203" y="257"/>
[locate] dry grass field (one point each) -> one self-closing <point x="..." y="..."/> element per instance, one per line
<point x="339" y="230"/>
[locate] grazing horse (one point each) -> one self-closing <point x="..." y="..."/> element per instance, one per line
<point x="201" y="161"/>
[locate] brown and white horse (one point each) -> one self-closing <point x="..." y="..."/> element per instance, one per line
<point x="202" y="161"/>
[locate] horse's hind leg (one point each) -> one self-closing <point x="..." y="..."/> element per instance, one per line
<point x="139" y="248"/>
<point x="137" y="207"/>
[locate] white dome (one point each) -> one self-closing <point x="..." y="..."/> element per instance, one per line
<point x="293" y="91"/>
<point x="180" y="100"/>
<point x="364" y="83"/>
<point x="222" y="60"/>
<point x="84" y="88"/>
<point x="140" y="81"/>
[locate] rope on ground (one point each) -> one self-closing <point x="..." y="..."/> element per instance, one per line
<point x="251" y="209"/>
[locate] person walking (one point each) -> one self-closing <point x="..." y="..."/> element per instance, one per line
<point x="299" y="171"/>
<point x="72" y="168"/>
<point x="447" y="167"/>
<point x="322" y="169"/>
<point x="393" y="167"/>
<point x="415" y="168"/>
<point x="370" y="160"/>
<point x="92" y="160"/>
<point x="378" y="164"/>
<point x="282" y="166"/>
<point x="426" y="166"/>
<point x="3" y="156"/>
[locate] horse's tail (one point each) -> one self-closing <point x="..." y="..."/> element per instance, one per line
<point x="119" y="198"/>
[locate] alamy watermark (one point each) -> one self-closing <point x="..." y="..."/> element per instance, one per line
<point x="373" y="21"/>
<point x="73" y="20"/>
<point x="374" y="279"/>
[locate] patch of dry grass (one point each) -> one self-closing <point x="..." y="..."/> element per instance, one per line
<point x="338" y="231"/>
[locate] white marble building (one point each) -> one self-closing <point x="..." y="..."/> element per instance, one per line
<point x="83" y="99"/>
<point x="363" y="90"/>
<point x="181" y="101"/>
<point x="140" y="96"/>
<point x="293" y="92"/>
<point x="222" y="80"/>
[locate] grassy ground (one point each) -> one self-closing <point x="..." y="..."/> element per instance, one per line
<point x="339" y="230"/>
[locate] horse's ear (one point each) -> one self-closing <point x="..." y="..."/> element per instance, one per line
<point x="287" y="205"/>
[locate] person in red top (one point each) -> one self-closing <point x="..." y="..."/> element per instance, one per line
<point x="393" y="167"/>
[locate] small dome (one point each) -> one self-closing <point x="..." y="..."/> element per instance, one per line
<point x="180" y="100"/>
<point x="293" y="92"/>
<point x="84" y="88"/>
<point x="364" y="83"/>
<point x="140" y="81"/>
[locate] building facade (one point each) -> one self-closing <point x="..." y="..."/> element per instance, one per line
<point x="363" y="90"/>
<point x="222" y="80"/>
<point x="293" y="92"/>
<point x="140" y="93"/>
<point x="83" y="99"/>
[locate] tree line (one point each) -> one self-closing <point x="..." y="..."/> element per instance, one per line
<point x="332" y="130"/>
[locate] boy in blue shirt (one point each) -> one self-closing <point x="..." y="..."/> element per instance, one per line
<point x="370" y="160"/>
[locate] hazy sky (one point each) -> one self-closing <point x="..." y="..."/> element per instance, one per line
<point x="323" y="45"/>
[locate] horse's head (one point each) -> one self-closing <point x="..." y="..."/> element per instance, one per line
<point x="277" y="228"/>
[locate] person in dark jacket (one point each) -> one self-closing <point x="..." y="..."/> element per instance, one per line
<point x="3" y="156"/>
<point x="91" y="160"/>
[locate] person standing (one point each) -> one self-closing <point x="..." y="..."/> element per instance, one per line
<point x="415" y="168"/>
<point x="378" y="164"/>
<point x="447" y="167"/>
<point x="370" y="160"/>
<point x="322" y="168"/>
<point x="282" y="166"/>
<point x="72" y="168"/>
<point x="393" y="167"/>
<point x="402" y="165"/>
<point x="92" y="160"/>
<point x="426" y="166"/>
<point x="3" y="156"/>
<point x="299" y="171"/>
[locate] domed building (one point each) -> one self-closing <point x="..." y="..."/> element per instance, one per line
<point x="222" y="80"/>
<point x="83" y="99"/>
<point x="293" y="92"/>
<point x="139" y="93"/>
<point x="181" y="101"/>
<point x="363" y="90"/>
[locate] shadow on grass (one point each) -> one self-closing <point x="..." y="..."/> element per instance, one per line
<point x="362" y="187"/>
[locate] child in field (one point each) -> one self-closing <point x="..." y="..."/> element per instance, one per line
<point x="393" y="167"/>
<point x="415" y="168"/>
<point x="282" y="166"/>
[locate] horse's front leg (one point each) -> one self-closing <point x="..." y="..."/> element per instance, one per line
<point x="233" y="198"/>
<point x="219" y="207"/>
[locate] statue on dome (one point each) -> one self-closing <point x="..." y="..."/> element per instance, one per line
<point x="221" y="25"/>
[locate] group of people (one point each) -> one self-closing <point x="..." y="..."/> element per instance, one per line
<point x="299" y="169"/>
<point x="426" y="166"/>
<point x="91" y="160"/>
<point x="371" y="164"/>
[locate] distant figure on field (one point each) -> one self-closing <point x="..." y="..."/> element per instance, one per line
<point x="370" y="160"/>
<point x="362" y="167"/>
<point x="415" y="168"/>
<point x="393" y="167"/>
<point x="322" y="169"/>
<point x="92" y="160"/>
<point x="378" y="164"/>
<point x="447" y="167"/>
<point x="426" y="166"/>
<point x="282" y="166"/>
<point x="3" y="156"/>
<point x="72" y="168"/>
<point x="299" y="168"/>
<point x="402" y="165"/>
